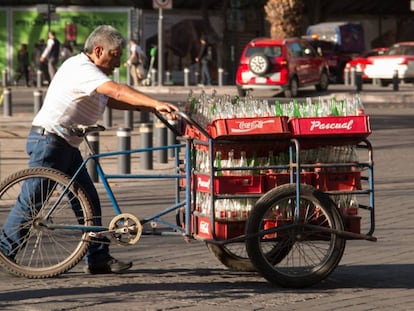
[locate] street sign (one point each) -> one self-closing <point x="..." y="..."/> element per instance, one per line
<point x="162" y="4"/>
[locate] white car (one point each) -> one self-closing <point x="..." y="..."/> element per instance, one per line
<point x="399" y="59"/>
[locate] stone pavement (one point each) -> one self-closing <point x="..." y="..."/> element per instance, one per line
<point x="169" y="274"/>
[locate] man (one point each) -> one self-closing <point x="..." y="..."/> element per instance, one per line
<point x="78" y="94"/>
<point x="136" y="62"/>
<point x="204" y="56"/>
<point x="51" y="54"/>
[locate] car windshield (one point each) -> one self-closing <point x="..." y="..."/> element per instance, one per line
<point x="269" y="51"/>
<point x="401" y="50"/>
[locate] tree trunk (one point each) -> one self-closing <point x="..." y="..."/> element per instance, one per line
<point x="285" y="18"/>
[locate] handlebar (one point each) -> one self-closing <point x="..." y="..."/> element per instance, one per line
<point x="185" y="117"/>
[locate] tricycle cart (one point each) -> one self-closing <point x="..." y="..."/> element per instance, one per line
<point x="289" y="212"/>
<point x="276" y="193"/>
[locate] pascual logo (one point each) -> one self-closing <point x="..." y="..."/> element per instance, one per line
<point x="203" y="183"/>
<point x="250" y="126"/>
<point x="204" y="227"/>
<point x="318" y="125"/>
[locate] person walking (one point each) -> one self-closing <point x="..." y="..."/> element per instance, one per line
<point x="23" y="64"/>
<point x="136" y="62"/>
<point x="204" y="57"/>
<point x="51" y="54"/>
<point x="40" y="65"/>
<point x="79" y="94"/>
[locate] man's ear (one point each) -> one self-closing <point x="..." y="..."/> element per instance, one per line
<point x="98" y="50"/>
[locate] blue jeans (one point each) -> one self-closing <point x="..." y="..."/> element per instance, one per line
<point x="52" y="151"/>
<point x="205" y="72"/>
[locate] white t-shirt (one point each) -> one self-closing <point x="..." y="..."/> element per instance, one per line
<point x="72" y="98"/>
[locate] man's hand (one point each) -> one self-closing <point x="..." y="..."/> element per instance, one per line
<point x="166" y="109"/>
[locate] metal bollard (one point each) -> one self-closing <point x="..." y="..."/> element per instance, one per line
<point x="220" y="76"/>
<point x="346" y="74"/>
<point x="107" y="117"/>
<point x="168" y="80"/>
<point x="116" y="75"/>
<point x="196" y="77"/>
<point x="161" y="138"/>
<point x="93" y="139"/>
<point x="124" y="144"/>
<point x="145" y="131"/>
<point x="129" y="119"/>
<point x="5" y="79"/>
<point x="7" y="102"/>
<point x="352" y="76"/>
<point x="172" y="138"/>
<point x="395" y="81"/>
<point x="37" y="100"/>
<point x="39" y="81"/>
<point x="143" y="117"/>
<point x="153" y="77"/>
<point x="358" y="79"/>
<point x="186" y="76"/>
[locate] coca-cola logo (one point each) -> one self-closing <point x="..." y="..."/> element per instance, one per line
<point x="319" y="125"/>
<point x="248" y="126"/>
<point x="204" y="227"/>
<point x="203" y="183"/>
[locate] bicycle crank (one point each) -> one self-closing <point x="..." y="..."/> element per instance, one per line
<point x="125" y="229"/>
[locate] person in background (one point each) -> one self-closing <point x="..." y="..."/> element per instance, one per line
<point x="51" y="54"/>
<point x="136" y="62"/>
<point x="40" y="65"/>
<point x="23" y="64"/>
<point x="79" y="94"/>
<point x="204" y="57"/>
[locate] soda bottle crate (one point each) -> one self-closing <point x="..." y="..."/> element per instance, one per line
<point x="329" y="180"/>
<point x="253" y="184"/>
<point x="243" y="128"/>
<point x="330" y="126"/>
<point x="277" y="179"/>
<point x="223" y="229"/>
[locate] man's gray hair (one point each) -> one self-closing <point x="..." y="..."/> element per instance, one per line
<point x="106" y="36"/>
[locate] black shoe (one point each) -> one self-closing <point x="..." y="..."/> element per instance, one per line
<point x="111" y="265"/>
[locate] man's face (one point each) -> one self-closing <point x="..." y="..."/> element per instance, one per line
<point x="107" y="60"/>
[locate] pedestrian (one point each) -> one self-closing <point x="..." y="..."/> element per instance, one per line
<point x="40" y="65"/>
<point x="136" y="62"/>
<point x="66" y="51"/>
<point x="51" y="54"/>
<point x="80" y="100"/>
<point x="23" y="64"/>
<point x="204" y="56"/>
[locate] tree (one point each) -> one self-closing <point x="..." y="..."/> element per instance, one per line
<point x="285" y="18"/>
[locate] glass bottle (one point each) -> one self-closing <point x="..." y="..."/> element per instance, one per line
<point x="243" y="163"/>
<point x="230" y="163"/>
<point x="217" y="163"/>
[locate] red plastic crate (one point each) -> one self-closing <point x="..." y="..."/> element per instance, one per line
<point x="274" y="180"/>
<point x="274" y="223"/>
<point x="325" y="127"/>
<point x="332" y="181"/>
<point x="243" y="128"/>
<point x="231" y="184"/>
<point x="352" y="223"/>
<point x="223" y="229"/>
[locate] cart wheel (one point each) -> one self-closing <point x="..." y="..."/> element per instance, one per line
<point x="292" y="252"/>
<point x="233" y="256"/>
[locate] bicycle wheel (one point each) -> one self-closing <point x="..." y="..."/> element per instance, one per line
<point x="44" y="244"/>
<point x="292" y="250"/>
<point x="233" y="256"/>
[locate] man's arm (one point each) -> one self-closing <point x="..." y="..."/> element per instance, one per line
<point x="123" y="97"/>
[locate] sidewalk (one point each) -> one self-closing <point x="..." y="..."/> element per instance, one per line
<point x="169" y="274"/>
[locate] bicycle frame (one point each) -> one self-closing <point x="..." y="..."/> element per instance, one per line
<point x="104" y="178"/>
